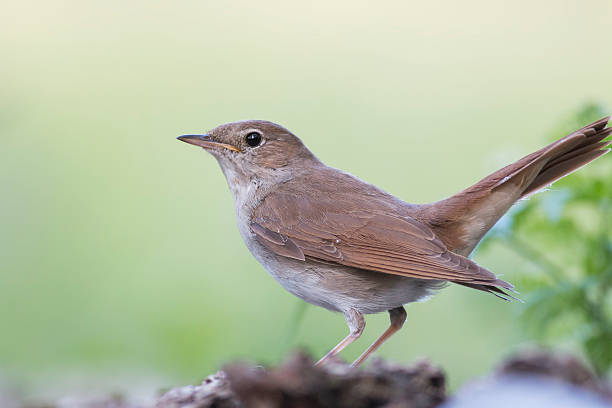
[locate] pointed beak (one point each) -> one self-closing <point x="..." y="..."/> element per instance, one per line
<point x="206" y="142"/>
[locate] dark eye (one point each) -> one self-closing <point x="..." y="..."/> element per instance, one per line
<point x="253" y="139"/>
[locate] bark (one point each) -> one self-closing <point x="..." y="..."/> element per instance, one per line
<point x="296" y="383"/>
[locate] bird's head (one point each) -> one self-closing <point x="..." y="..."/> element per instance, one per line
<point x="254" y="150"/>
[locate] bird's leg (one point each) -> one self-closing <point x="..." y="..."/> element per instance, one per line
<point x="356" y="324"/>
<point x="397" y="317"/>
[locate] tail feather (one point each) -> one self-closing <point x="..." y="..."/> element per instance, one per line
<point x="565" y="155"/>
<point x="576" y="152"/>
<point x="557" y="166"/>
<point x="462" y="220"/>
<point x="564" y="167"/>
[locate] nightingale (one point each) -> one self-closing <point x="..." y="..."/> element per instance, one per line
<point x="341" y="243"/>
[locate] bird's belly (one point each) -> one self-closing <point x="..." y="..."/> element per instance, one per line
<point x="340" y="288"/>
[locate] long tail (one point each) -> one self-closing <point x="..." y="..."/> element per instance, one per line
<point x="562" y="157"/>
<point x="462" y="220"/>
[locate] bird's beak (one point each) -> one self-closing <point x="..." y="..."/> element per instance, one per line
<point x="206" y="142"/>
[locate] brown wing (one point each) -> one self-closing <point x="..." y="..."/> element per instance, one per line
<point x="300" y="225"/>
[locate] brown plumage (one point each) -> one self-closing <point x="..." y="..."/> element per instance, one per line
<point x="376" y="232"/>
<point x="341" y="243"/>
<point x="371" y="231"/>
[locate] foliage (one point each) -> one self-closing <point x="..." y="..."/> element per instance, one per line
<point x="567" y="234"/>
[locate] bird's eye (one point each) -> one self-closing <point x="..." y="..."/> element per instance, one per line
<point x="253" y="139"/>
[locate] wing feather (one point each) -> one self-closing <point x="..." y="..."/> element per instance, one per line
<point x="385" y="241"/>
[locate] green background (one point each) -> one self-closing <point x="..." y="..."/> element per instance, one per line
<point x="120" y="261"/>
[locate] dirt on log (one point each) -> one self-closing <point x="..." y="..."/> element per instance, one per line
<point x="296" y="383"/>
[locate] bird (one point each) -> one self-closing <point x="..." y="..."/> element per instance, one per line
<point x="343" y="244"/>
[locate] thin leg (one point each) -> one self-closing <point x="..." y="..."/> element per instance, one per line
<point x="397" y="317"/>
<point x="356" y="324"/>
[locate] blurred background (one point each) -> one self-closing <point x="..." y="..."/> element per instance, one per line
<point x="120" y="261"/>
